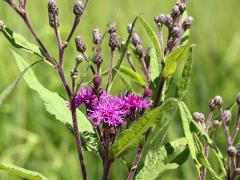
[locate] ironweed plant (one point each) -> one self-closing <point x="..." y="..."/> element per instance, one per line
<point x="130" y="123"/>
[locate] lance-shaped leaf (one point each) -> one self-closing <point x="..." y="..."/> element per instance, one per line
<point x="131" y="137"/>
<point x="183" y="83"/>
<point x="162" y="159"/>
<point x="21" y="172"/>
<point x="54" y="104"/>
<point x="155" y="66"/>
<point x="173" y="59"/>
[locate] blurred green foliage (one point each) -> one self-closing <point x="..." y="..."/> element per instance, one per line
<point x="31" y="138"/>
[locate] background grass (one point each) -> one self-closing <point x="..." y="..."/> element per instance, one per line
<point x="31" y="138"/>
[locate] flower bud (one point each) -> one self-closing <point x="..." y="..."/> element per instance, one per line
<point x="161" y="19"/>
<point x="52" y="7"/>
<point x="232" y="151"/>
<point x="182" y="7"/>
<point x="139" y="50"/>
<point x="198" y="117"/>
<point x="78" y="8"/>
<point x="80" y="44"/>
<point x="187" y="23"/>
<point x="175" y="12"/>
<point x="218" y="101"/>
<point x="216" y="123"/>
<point x="227" y="116"/>
<point x="169" y="21"/>
<point x="136" y="39"/>
<point x="52" y="20"/>
<point x="212" y="104"/>
<point x="1" y="25"/>
<point x="79" y="59"/>
<point x="176" y="32"/>
<point x="148" y="92"/>
<point x="97" y="37"/>
<point x="113" y="41"/>
<point x="98" y="59"/>
<point x="112" y="28"/>
<point x="97" y="82"/>
<point x="238" y="100"/>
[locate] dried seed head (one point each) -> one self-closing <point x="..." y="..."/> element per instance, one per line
<point x="98" y="59"/>
<point x="176" y="32"/>
<point x="78" y="8"/>
<point x="97" y="37"/>
<point x="52" y="7"/>
<point x="169" y="21"/>
<point x="187" y="23"/>
<point x="199" y="117"/>
<point x="1" y="25"/>
<point x="175" y="12"/>
<point x="227" y="116"/>
<point x="218" y="101"/>
<point x="80" y="44"/>
<point x="212" y="104"/>
<point x="79" y="59"/>
<point x="112" y="28"/>
<point x="148" y="92"/>
<point x="232" y="151"/>
<point x="113" y="41"/>
<point x="139" y="50"/>
<point x="161" y="19"/>
<point x="136" y="39"/>
<point x="52" y="20"/>
<point x="129" y="28"/>
<point x="238" y="100"/>
<point x="216" y="123"/>
<point x="182" y="7"/>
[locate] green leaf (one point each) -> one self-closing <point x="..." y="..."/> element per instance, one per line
<point x="125" y="82"/>
<point x="21" y="172"/>
<point x="20" y="42"/>
<point x="183" y="83"/>
<point x="186" y="34"/>
<point x="153" y="37"/>
<point x="54" y="104"/>
<point x="174" y="58"/>
<point x="159" y="160"/>
<point x="133" y="75"/>
<point x="131" y="137"/>
<point x="186" y="118"/>
<point x="155" y="67"/>
<point x="6" y="92"/>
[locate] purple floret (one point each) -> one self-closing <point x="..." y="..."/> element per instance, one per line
<point x="85" y="96"/>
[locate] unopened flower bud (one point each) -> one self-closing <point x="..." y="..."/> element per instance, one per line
<point x="161" y="19"/>
<point x="176" y="32"/>
<point x="169" y="21"/>
<point x="198" y="117"/>
<point x="80" y="44"/>
<point x="139" y="50"/>
<point x="98" y="59"/>
<point x="218" y="101"/>
<point x="232" y="151"/>
<point x="79" y="59"/>
<point x="216" y="123"/>
<point x="129" y="28"/>
<point x="113" y="41"/>
<point x="148" y="92"/>
<point x="112" y="28"/>
<point x="78" y="8"/>
<point x="227" y="116"/>
<point x="97" y="82"/>
<point x="238" y="100"/>
<point x="52" y="7"/>
<point x="182" y="7"/>
<point x="52" y="20"/>
<point x="136" y="39"/>
<point x="175" y="12"/>
<point x="212" y="104"/>
<point x="97" y="37"/>
<point x="1" y="25"/>
<point x="187" y="23"/>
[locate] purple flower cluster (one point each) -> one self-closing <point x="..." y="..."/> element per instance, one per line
<point x="109" y="110"/>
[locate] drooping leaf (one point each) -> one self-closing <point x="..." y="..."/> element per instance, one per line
<point x="21" y="172"/>
<point x="131" y="137"/>
<point x="174" y="58"/>
<point x="54" y="104"/>
<point x="19" y="42"/>
<point x="183" y="83"/>
<point x="161" y="159"/>
<point x="133" y="75"/>
<point x="186" y="118"/>
<point x="153" y="37"/>
<point x="6" y="92"/>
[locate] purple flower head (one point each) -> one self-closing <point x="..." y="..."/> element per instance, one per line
<point x="85" y="96"/>
<point x="134" y="102"/>
<point x="109" y="111"/>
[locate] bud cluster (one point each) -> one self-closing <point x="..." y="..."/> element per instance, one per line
<point x="97" y="37"/>
<point x="80" y="44"/>
<point x="113" y="41"/>
<point x="199" y="117"/>
<point x="53" y="13"/>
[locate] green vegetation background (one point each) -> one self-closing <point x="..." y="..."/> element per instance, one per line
<point x="31" y="138"/>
